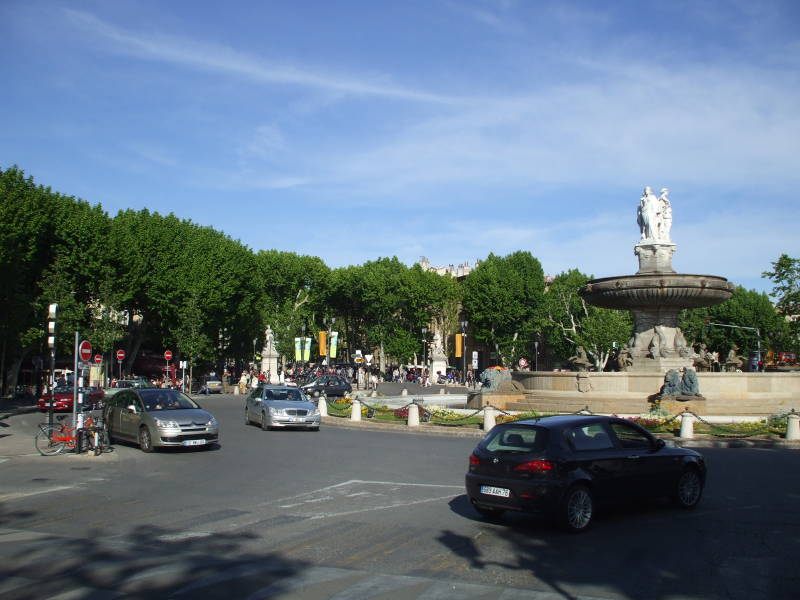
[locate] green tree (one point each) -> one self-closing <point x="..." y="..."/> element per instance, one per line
<point x="785" y="275"/>
<point x="571" y="322"/>
<point x="503" y="300"/>
<point x="745" y="308"/>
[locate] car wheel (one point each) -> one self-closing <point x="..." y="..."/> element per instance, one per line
<point x="577" y="509"/>
<point x="264" y="422"/>
<point x="145" y="440"/>
<point x="487" y="512"/>
<point x="689" y="489"/>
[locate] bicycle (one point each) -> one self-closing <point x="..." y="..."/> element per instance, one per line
<point x="53" y="439"/>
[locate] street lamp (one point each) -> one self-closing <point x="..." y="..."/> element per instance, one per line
<point x="52" y="310"/>
<point x="424" y="349"/>
<point x="464" y="349"/>
<point x="254" y="350"/>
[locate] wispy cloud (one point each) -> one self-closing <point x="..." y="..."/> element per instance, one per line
<point x="223" y="59"/>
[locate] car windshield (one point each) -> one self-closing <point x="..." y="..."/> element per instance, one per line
<point x="515" y="438"/>
<point x="158" y="399"/>
<point x="62" y="389"/>
<point x="213" y="379"/>
<point x="292" y="395"/>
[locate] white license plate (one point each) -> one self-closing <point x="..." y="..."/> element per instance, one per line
<point x="193" y="442"/>
<point x="495" y="491"/>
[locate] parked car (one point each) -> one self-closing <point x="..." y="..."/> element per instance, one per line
<point x="281" y="406"/>
<point x="332" y="385"/>
<point x="136" y="382"/>
<point x="210" y="384"/>
<point x="62" y="398"/>
<point x="565" y="466"/>
<point x="157" y="417"/>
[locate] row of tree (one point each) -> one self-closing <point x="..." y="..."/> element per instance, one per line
<point x="144" y="280"/>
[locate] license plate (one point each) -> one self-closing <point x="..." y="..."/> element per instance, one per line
<point x="193" y="442"/>
<point x="495" y="491"/>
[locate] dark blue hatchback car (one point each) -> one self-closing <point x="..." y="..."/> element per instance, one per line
<point x="565" y="466"/>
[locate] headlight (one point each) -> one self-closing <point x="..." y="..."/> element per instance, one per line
<point x="167" y="424"/>
<point x="314" y="412"/>
<point x="279" y="412"/>
<point x="212" y="423"/>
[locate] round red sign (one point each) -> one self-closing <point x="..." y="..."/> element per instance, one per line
<point x="98" y="358"/>
<point x="120" y="355"/>
<point x="85" y="351"/>
<point x="168" y="355"/>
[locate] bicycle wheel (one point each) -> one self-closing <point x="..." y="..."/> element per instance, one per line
<point x="46" y="440"/>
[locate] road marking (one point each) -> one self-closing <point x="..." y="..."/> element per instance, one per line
<point x="17" y="495"/>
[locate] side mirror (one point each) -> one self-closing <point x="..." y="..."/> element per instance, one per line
<point x="131" y="408"/>
<point x="660" y="443"/>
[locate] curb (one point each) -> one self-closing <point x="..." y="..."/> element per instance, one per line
<point x="699" y="441"/>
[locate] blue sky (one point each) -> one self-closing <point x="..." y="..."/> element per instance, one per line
<point x="449" y="129"/>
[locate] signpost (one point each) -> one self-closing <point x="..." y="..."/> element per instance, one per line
<point x="85" y="351"/>
<point x="120" y="358"/>
<point x="168" y="355"/>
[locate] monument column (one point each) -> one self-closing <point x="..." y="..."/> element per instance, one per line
<point x="269" y="358"/>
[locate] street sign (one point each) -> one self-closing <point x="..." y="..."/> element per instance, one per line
<point x="85" y="351"/>
<point x="167" y="354"/>
<point x="120" y="355"/>
<point x="98" y="358"/>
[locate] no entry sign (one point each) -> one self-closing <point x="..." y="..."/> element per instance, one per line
<point x="98" y="358"/>
<point x="167" y="354"/>
<point x="120" y="355"/>
<point x="85" y="351"/>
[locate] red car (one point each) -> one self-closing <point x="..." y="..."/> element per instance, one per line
<point x="62" y="398"/>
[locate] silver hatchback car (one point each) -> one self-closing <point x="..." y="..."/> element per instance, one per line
<point x="158" y="418"/>
<point x="281" y="406"/>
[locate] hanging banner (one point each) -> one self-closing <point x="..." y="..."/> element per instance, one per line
<point x="298" y="353"/>
<point x="307" y="350"/>
<point x="323" y="342"/>
<point x="334" y="341"/>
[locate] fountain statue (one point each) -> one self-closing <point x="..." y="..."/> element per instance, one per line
<point x="656" y="293"/>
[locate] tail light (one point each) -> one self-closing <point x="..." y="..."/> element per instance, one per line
<point x="474" y="461"/>
<point x="535" y="466"/>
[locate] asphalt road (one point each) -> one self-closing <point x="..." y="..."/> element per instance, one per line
<point x="349" y="514"/>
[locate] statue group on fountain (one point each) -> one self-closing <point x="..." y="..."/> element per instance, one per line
<point x="680" y="386"/>
<point x="654" y="216"/>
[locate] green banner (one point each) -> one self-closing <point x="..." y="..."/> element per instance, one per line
<point x="334" y="341"/>
<point x="297" y="350"/>
<point x="307" y="350"/>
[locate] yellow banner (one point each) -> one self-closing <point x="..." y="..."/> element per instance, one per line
<point x="334" y="343"/>
<point x="298" y="356"/>
<point x="459" y="345"/>
<point x="323" y="343"/>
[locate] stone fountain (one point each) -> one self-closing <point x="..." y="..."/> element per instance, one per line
<point x="656" y="293"/>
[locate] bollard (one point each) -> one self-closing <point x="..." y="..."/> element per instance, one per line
<point x="488" y="418"/>
<point x="322" y="405"/>
<point x="687" y="425"/>
<point x="442" y="391"/>
<point x="793" y="426"/>
<point x="404" y="392"/>
<point x="355" y="410"/>
<point x="374" y="394"/>
<point x="236" y="390"/>
<point x="413" y="415"/>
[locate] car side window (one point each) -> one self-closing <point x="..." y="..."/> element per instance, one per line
<point x="590" y="437"/>
<point x="256" y="394"/>
<point x="629" y="436"/>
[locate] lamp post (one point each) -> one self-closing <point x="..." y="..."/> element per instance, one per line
<point x="424" y="349"/>
<point x="464" y="349"/>
<point x="51" y="344"/>
<point x="254" y="350"/>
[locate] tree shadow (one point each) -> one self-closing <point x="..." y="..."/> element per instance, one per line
<point x="148" y="561"/>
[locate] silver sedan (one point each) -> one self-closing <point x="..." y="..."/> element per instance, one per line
<point x="281" y="406"/>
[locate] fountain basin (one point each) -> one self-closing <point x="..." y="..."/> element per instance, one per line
<point x="664" y="290"/>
